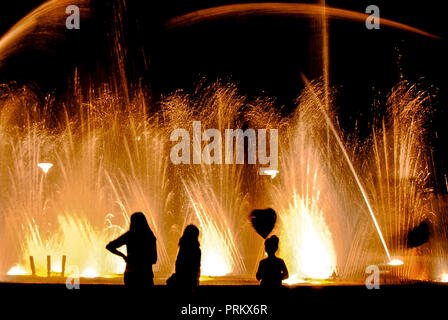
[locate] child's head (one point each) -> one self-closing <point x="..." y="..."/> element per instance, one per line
<point x="271" y="245"/>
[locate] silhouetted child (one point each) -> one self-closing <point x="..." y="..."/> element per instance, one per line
<point x="141" y="252"/>
<point x="188" y="262"/>
<point x="272" y="270"/>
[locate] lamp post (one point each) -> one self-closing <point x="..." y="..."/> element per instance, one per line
<point x="45" y="166"/>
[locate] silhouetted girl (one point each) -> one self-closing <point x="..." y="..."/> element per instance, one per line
<point x="141" y="252"/>
<point x="272" y="270"/>
<point x="188" y="262"/>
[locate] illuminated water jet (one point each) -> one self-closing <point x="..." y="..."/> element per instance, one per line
<point x="86" y="200"/>
<point x="350" y="164"/>
<point x="280" y="9"/>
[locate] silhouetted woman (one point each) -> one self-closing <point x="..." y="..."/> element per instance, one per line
<point x="272" y="270"/>
<point x="188" y="262"/>
<point x="141" y="252"/>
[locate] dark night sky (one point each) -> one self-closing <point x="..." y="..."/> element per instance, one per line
<point x="266" y="56"/>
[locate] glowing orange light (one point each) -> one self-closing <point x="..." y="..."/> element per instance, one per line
<point x="395" y="262"/>
<point x="215" y="264"/>
<point x="89" y="273"/>
<point x="272" y="173"/>
<point x="313" y="255"/>
<point x="293" y="280"/>
<point x="444" y="278"/>
<point x="17" y="271"/>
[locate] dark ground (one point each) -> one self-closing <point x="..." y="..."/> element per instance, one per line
<point x="305" y="302"/>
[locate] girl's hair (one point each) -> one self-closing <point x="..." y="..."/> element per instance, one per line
<point x="190" y="236"/>
<point x="139" y="225"/>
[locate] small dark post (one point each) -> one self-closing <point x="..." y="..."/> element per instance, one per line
<point x="48" y="266"/>
<point x="64" y="259"/>
<point x="33" y="266"/>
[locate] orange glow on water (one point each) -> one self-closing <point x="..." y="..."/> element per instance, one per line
<point x="215" y="246"/>
<point x="214" y="264"/>
<point x="444" y="278"/>
<point x="79" y="241"/>
<point x="395" y="262"/>
<point x="17" y="271"/>
<point x="307" y="242"/>
<point x="89" y="273"/>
